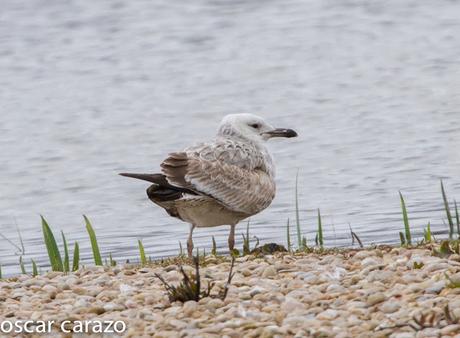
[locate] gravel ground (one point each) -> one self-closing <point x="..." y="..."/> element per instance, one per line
<point x="380" y="292"/>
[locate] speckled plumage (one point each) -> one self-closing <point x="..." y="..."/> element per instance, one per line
<point x="220" y="182"/>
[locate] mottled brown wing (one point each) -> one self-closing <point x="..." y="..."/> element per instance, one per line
<point x="239" y="189"/>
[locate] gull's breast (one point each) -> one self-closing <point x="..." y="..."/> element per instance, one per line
<point x="203" y="211"/>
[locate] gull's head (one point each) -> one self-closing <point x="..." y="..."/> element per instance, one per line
<point x="251" y="127"/>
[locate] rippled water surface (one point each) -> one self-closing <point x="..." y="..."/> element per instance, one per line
<point x="92" y="88"/>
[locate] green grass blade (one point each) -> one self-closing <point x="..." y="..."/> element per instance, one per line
<point x="288" y="236"/>
<point x="448" y="214"/>
<point x="21" y="242"/>
<point x="407" y="234"/>
<point x="457" y="218"/>
<point x="34" y="268"/>
<point x="402" y="239"/>
<point x="142" y="253"/>
<point x="297" y="217"/>
<point x="247" y="236"/>
<point x="66" y="253"/>
<point x="181" y="251"/>
<point x="320" y="230"/>
<point x="21" y="264"/>
<point x="427" y="233"/>
<point x="246" y="245"/>
<point x="76" y="257"/>
<point x="214" y="247"/>
<point x="112" y="261"/>
<point x="93" y="239"/>
<point x="1" y="276"/>
<point x="51" y="246"/>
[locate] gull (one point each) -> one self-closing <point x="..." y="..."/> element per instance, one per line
<point x="219" y="182"/>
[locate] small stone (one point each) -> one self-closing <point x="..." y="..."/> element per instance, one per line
<point x="126" y="289"/>
<point x="435" y="266"/>
<point x="256" y="290"/>
<point x="190" y="307"/>
<point x="178" y="324"/>
<point x="335" y="288"/>
<point x="113" y="307"/>
<point x="130" y="304"/>
<point x="215" y="303"/>
<point x="49" y="288"/>
<point x="375" y="298"/>
<point x="329" y="314"/>
<point x="96" y="309"/>
<point x="453" y="328"/>
<point x="369" y="261"/>
<point x="390" y="307"/>
<point x="455" y="278"/>
<point x="436" y="287"/>
<point x="403" y="335"/>
<point x="363" y="254"/>
<point x="454" y="257"/>
<point x="291" y="304"/>
<point x="269" y="271"/>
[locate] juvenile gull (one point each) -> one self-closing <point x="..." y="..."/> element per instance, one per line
<point x="220" y="182"/>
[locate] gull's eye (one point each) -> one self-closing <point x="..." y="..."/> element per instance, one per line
<point x="255" y="125"/>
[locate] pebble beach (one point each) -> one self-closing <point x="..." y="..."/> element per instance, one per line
<point x="379" y="292"/>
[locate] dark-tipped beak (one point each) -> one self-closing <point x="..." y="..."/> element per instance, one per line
<point x="281" y="132"/>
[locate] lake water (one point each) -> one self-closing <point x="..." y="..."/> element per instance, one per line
<point x="93" y="88"/>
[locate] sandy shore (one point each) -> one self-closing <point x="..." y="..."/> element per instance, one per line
<point x="382" y="292"/>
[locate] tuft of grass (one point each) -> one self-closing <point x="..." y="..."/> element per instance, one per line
<point x="66" y="254"/>
<point x="93" y="239"/>
<point x="448" y="214"/>
<point x="34" y="268"/>
<point x="288" y="237"/>
<point x="21" y="264"/>
<point x="214" y="247"/>
<point x="444" y="250"/>
<point x="142" y="253"/>
<point x="52" y="248"/>
<point x="190" y="287"/>
<point x="407" y="234"/>
<point x="297" y="216"/>
<point x="76" y="257"/>
<point x="418" y="265"/>
<point x="427" y="234"/>
<point x="320" y="230"/>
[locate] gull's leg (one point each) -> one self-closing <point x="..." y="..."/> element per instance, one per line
<point x="190" y="242"/>
<point x="231" y="238"/>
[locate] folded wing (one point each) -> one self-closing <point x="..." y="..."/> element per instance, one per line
<point x="233" y="175"/>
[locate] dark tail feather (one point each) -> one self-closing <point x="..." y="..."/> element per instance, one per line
<point x="154" y="178"/>
<point x="159" y="179"/>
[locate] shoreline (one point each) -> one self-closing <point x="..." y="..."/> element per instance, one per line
<point x="375" y="292"/>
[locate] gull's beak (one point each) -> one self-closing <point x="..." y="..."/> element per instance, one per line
<point x="280" y="132"/>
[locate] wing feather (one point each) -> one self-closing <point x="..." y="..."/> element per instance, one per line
<point x="232" y="173"/>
